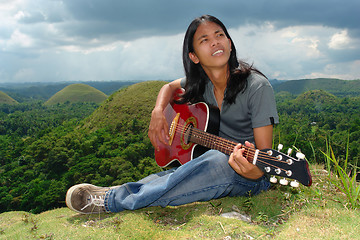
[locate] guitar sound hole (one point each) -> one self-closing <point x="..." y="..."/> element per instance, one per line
<point x="187" y="134"/>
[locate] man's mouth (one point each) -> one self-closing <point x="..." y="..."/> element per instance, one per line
<point x="217" y="52"/>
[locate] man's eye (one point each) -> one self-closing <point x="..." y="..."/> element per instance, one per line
<point x="204" y="40"/>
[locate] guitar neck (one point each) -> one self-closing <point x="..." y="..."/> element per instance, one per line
<point x="215" y="142"/>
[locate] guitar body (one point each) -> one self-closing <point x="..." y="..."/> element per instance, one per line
<point x="200" y="116"/>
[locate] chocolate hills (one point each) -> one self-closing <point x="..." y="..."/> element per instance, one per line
<point x="119" y="110"/>
<point x="77" y="93"/>
<point x="6" y="99"/>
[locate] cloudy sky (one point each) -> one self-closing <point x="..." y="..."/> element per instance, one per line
<point x="103" y="40"/>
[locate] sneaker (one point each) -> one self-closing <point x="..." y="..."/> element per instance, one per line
<point x="86" y="198"/>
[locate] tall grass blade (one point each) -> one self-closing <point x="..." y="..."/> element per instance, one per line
<point x="344" y="180"/>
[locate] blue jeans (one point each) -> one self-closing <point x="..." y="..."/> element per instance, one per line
<point x="206" y="177"/>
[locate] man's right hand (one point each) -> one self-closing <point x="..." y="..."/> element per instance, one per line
<point x="158" y="128"/>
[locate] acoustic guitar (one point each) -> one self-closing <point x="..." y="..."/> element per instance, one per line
<point x="193" y="129"/>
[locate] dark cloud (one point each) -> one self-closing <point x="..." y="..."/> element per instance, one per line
<point x="125" y="19"/>
<point x="62" y="40"/>
<point x="344" y="55"/>
<point x="132" y="19"/>
<point x="331" y="13"/>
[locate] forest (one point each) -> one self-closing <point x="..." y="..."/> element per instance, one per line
<point x="46" y="149"/>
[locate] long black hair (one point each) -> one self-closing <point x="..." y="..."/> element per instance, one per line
<point x="196" y="77"/>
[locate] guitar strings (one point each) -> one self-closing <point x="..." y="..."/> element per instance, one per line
<point x="218" y="142"/>
<point x="222" y="143"/>
<point x="231" y="145"/>
<point x="226" y="145"/>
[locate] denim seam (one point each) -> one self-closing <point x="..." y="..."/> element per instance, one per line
<point x="107" y="194"/>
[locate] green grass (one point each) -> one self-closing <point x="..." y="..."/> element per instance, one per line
<point x="344" y="177"/>
<point x="316" y="212"/>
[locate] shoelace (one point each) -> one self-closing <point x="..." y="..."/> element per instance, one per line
<point x="97" y="201"/>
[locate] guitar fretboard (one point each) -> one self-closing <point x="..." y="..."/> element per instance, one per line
<point x="215" y="142"/>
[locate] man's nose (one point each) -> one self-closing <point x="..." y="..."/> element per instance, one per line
<point x="214" y="42"/>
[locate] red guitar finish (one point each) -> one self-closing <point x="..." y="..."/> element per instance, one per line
<point x="200" y="116"/>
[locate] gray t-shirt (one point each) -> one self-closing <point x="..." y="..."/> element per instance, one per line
<point x="253" y="108"/>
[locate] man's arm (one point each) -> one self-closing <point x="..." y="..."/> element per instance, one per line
<point x="158" y="128"/>
<point x="263" y="137"/>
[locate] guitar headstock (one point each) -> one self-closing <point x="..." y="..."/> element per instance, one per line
<point x="276" y="163"/>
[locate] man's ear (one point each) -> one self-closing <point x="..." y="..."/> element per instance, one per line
<point x="194" y="58"/>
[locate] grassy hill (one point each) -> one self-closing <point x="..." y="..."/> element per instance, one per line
<point x="122" y="107"/>
<point x="316" y="96"/>
<point x="77" y="93"/>
<point x="337" y="87"/>
<point x="317" y="212"/>
<point x="6" y="99"/>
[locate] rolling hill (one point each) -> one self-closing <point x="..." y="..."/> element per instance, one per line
<point x="339" y="88"/>
<point x="77" y="93"/>
<point x="6" y="99"/>
<point x="133" y="102"/>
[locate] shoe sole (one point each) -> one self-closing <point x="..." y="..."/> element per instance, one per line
<point x="70" y="192"/>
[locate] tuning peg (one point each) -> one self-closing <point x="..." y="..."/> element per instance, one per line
<point x="273" y="179"/>
<point x="289" y="151"/>
<point x="269" y="152"/>
<point x="284" y="182"/>
<point x="280" y="147"/>
<point x="294" y="184"/>
<point x="300" y="156"/>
